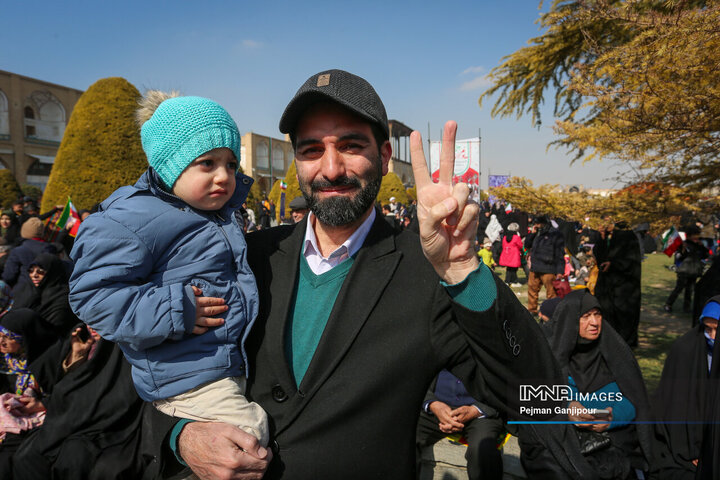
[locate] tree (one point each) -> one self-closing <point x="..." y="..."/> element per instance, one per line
<point x="9" y="188"/>
<point x="101" y="148"/>
<point x="655" y="101"/>
<point x="661" y="205"/>
<point x="291" y="192"/>
<point x="412" y="193"/>
<point x="255" y="197"/>
<point x="392" y="186"/>
<point x="523" y="77"/>
<point x="633" y="80"/>
<point x="31" y="191"/>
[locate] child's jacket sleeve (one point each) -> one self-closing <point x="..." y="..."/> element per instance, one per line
<point x="110" y="291"/>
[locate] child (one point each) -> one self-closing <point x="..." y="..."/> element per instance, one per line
<point x="485" y="254"/>
<point x="147" y="261"/>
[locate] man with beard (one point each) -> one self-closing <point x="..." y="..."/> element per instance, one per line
<point x="340" y="365"/>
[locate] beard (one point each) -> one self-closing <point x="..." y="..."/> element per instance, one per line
<point x="342" y="210"/>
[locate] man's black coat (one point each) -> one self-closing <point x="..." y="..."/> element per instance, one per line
<point x="392" y="329"/>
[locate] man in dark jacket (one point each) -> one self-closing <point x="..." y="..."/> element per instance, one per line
<point x="689" y="260"/>
<point x="340" y="365"/>
<point x="547" y="260"/>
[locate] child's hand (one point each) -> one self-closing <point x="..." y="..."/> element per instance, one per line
<point x="205" y="308"/>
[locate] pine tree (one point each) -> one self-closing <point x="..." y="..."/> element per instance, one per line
<point x="9" y="188"/>
<point x="633" y="80"/>
<point x="392" y="186"/>
<point x="101" y="149"/>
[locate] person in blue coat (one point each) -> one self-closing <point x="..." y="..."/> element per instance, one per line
<point x="449" y="409"/>
<point x="20" y="258"/>
<point x="161" y="269"/>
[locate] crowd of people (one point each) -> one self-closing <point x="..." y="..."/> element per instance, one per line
<point x="590" y="318"/>
<point x="184" y="335"/>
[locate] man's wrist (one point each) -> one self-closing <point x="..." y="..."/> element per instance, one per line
<point x="430" y="410"/>
<point x="457" y="272"/>
<point x="175" y="438"/>
<point x="477" y="292"/>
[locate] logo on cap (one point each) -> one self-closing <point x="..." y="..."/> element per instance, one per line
<point x="323" y="80"/>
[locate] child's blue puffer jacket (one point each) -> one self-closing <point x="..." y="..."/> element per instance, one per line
<point x="135" y="261"/>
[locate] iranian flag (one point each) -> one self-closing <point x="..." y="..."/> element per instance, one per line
<point x="671" y="241"/>
<point x="69" y="218"/>
<point x="283" y="185"/>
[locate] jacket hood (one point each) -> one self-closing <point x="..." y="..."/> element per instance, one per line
<point x="151" y="181"/>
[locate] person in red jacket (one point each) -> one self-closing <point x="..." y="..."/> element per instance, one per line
<point x="511" y="255"/>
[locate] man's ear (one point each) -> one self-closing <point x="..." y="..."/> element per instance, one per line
<point x="385" y="155"/>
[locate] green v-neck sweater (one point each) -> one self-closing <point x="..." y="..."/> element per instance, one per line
<point x="315" y="296"/>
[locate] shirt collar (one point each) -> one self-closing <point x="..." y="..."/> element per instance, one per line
<point x="350" y="246"/>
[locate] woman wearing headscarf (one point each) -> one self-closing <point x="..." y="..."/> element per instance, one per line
<point x="602" y="374"/>
<point x="493" y="230"/>
<point x="19" y="345"/>
<point x="618" y="284"/>
<point x="511" y="255"/>
<point x="681" y="397"/>
<point x="93" y="428"/>
<point x="9" y="227"/>
<point x="709" y="462"/>
<point x="46" y="292"/>
<point x="19" y="408"/>
<point x="6" y="298"/>
<point x="600" y="366"/>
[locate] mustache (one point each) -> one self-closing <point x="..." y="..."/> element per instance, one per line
<point x="340" y="182"/>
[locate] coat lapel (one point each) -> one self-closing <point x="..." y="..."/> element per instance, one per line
<point x="284" y="267"/>
<point x="372" y="270"/>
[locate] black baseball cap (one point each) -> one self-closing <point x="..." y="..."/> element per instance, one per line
<point x="339" y="86"/>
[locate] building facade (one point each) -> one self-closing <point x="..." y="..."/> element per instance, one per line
<point x="33" y="116"/>
<point x="265" y="159"/>
<point x="400" y="163"/>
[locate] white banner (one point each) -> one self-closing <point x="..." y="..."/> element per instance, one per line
<point x="467" y="161"/>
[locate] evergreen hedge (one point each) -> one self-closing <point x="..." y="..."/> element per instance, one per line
<point x="412" y="193"/>
<point x="392" y="186"/>
<point x="31" y="191"/>
<point x="101" y="148"/>
<point x="9" y="188"/>
<point x="254" y="197"/>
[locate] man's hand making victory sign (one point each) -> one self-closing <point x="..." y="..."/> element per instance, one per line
<point x="448" y="218"/>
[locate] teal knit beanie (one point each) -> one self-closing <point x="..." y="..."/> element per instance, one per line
<point x="183" y="128"/>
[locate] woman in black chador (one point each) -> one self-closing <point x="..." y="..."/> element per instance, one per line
<point x="709" y="463"/>
<point x="602" y="373"/>
<point x="681" y="397"/>
<point x="93" y="427"/>
<point x="618" y="286"/>
<point x="46" y="292"/>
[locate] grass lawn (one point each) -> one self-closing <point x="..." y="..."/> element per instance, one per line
<point x="657" y="329"/>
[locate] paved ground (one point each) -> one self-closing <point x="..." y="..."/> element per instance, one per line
<point x="446" y="461"/>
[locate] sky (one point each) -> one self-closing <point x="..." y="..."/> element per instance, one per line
<point x="426" y="61"/>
